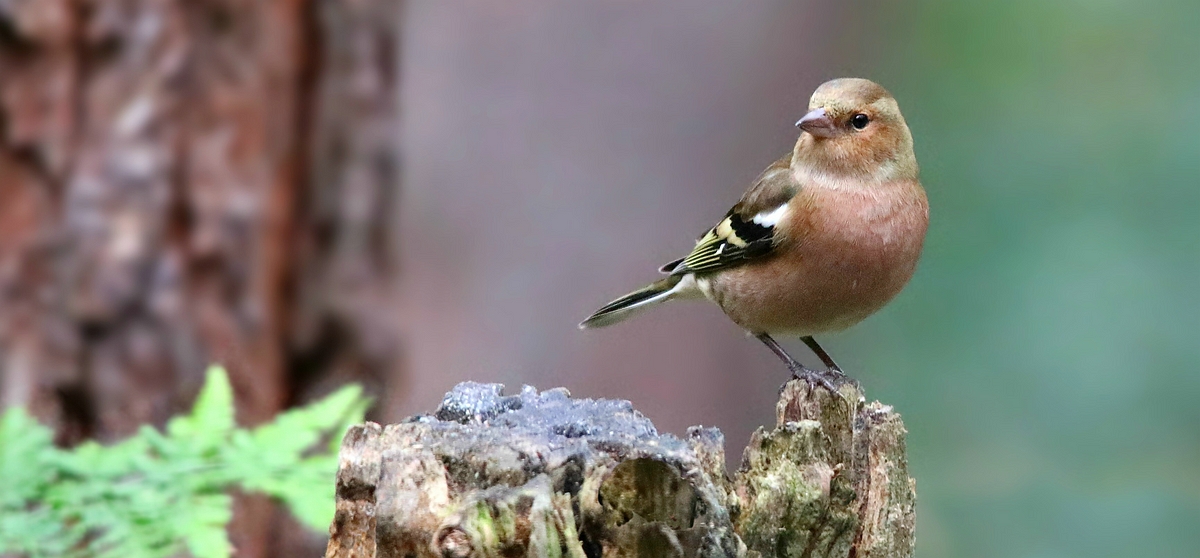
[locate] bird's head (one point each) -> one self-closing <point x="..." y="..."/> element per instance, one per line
<point x="854" y="130"/>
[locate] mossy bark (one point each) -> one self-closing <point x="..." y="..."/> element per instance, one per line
<point x="541" y="475"/>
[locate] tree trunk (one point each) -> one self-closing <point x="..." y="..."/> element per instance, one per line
<point x="538" y="475"/>
<point x="181" y="181"/>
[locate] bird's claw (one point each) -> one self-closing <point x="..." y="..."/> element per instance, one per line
<point x="828" y="379"/>
<point x="839" y="378"/>
<point x="816" y="378"/>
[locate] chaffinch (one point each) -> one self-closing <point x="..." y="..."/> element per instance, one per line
<point x="826" y="235"/>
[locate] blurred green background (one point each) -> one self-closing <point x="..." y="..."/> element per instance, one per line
<point x="1047" y="358"/>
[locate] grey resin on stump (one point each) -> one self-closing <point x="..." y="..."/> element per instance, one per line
<point x="541" y="475"/>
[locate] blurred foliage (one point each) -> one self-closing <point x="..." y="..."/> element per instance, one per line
<point x="1046" y="357"/>
<point x="157" y="494"/>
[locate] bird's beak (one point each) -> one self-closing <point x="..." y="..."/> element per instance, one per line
<point x="817" y="123"/>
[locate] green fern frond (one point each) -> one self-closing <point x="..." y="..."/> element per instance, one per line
<point x="159" y="493"/>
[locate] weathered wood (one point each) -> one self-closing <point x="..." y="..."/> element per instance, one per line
<point x="540" y="474"/>
<point x="830" y="480"/>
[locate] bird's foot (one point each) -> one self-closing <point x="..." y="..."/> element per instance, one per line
<point x="829" y="379"/>
<point x="816" y="378"/>
<point x="835" y="375"/>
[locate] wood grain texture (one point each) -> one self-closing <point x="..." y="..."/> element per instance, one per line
<point x="540" y="474"/>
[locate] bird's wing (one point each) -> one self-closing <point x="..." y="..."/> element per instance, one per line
<point x="748" y="231"/>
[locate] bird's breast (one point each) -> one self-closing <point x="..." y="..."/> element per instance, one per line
<point x="847" y="252"/>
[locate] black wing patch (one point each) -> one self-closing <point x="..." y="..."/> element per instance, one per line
<point x="733" y="241"/>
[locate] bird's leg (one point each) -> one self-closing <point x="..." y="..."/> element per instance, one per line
<point x="821" y="354"/>
<point x="798" y="370"/>
<point x="827" y="360"/>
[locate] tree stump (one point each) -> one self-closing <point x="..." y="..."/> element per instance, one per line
<point x="541" y="474"/>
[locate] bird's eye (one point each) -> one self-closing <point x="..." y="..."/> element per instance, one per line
<point x="860" y="121"/>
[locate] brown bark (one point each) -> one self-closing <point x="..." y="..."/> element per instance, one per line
<point x="538" y="475"/>
<point x="345" y="268"/>
<point x="151" y="147"/>
<point x="343" y="275"/>
<point x="159" y="208"/>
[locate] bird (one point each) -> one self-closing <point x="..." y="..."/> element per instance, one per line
<point x="826" y="236"/>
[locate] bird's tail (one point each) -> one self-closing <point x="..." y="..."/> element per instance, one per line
<point x="633" y="303"/>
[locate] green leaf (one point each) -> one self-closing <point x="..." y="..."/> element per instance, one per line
<point x="307" y="486"/>
<point x="25" y="446"/>
<point x="204" y="526"/>
<point x="154" y="495"/>
<point x="298" y="429"/>
<point x="212" y="416"/>
<point x="209" y="542"/>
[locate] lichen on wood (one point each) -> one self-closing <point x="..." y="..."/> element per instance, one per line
<point x="542" y="474"/>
